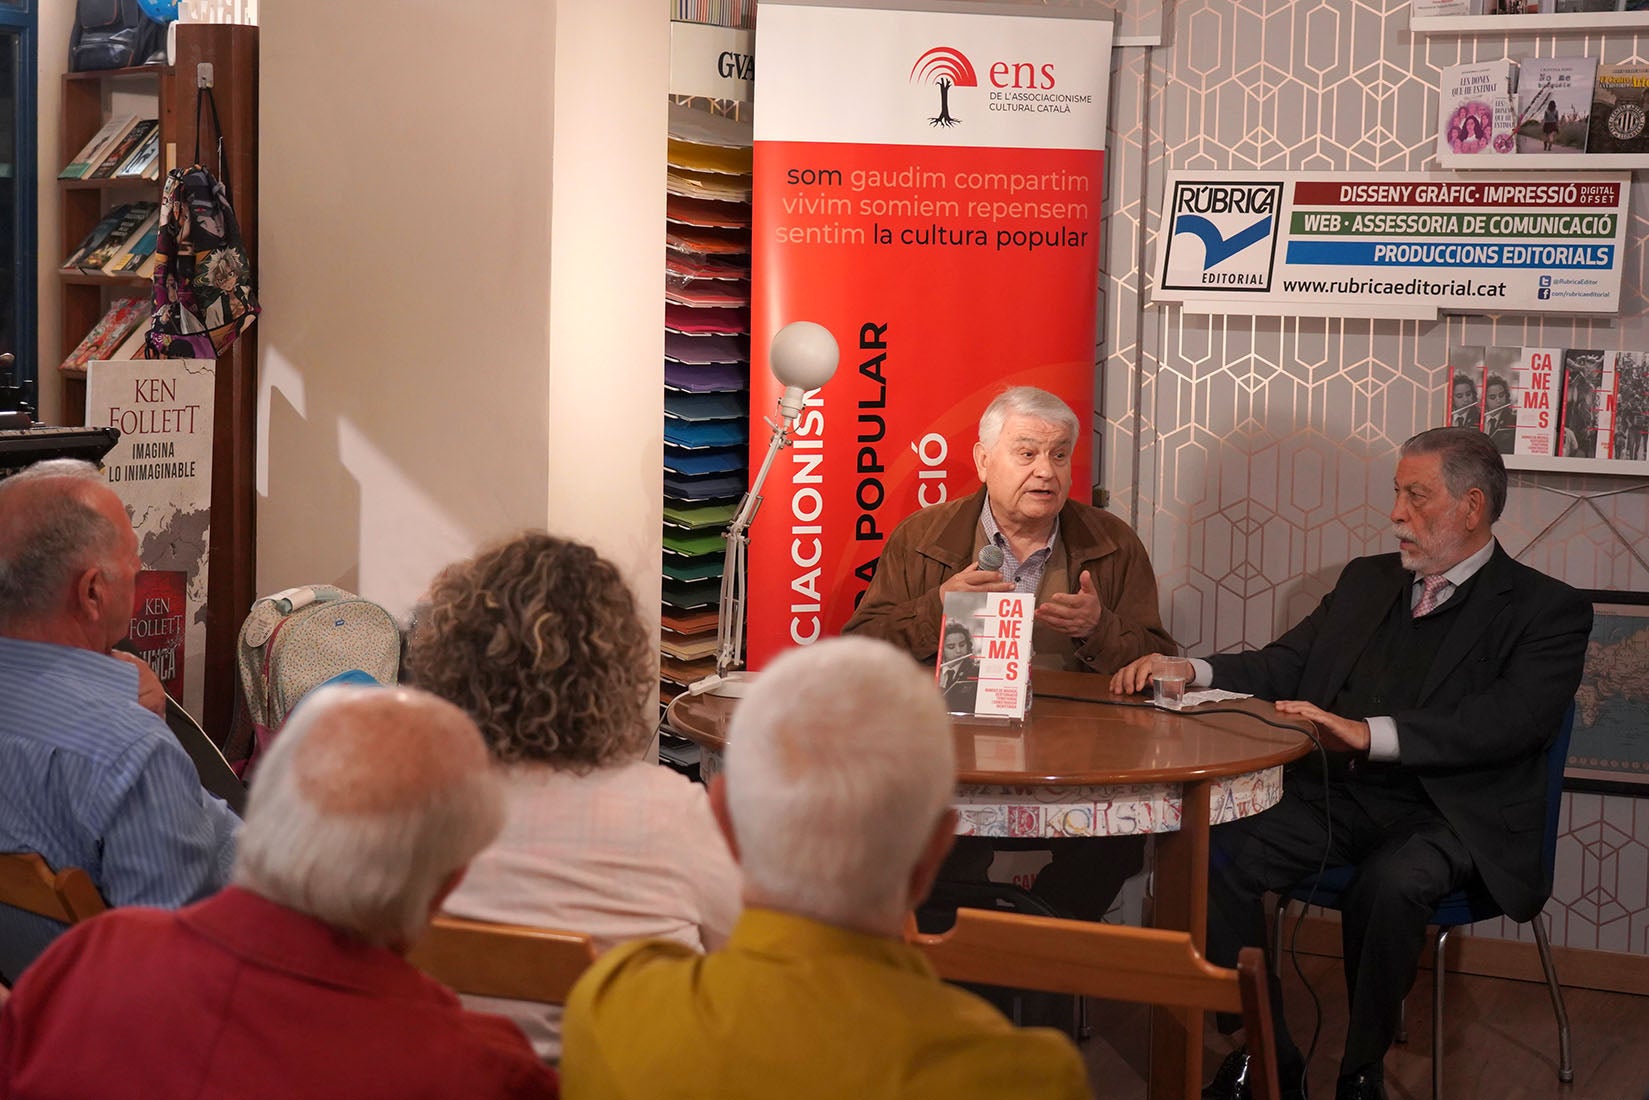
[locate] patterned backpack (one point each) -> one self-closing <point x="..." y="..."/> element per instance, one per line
<point x="297" y="640"/>
<point x="204" y="297"/>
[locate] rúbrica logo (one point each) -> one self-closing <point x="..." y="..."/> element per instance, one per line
<point x="1222" y="235"/>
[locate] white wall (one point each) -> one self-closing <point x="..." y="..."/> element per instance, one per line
<point x="426" y="385"/>
<point x="52" y="58"/>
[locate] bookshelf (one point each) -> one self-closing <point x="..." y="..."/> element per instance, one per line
<point x="1515" y="162"/>
<point x="1529" y="24"/>
<point x="87" y="100"/>
<point x="1552" y="464"/>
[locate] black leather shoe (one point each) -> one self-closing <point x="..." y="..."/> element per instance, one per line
<point x="1367" y="1085"/>
<point x="1231" y="1080"/>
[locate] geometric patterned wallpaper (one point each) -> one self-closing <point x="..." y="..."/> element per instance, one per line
<point x="1254" y="455"/>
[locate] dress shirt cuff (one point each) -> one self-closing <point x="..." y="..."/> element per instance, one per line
<point x="1202" y="673"/>
<point x="1382" y="738"/>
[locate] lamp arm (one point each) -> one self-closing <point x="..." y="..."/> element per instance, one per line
<point x="730" y="625"/>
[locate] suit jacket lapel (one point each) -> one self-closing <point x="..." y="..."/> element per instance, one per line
<point x="1491" y="589"/>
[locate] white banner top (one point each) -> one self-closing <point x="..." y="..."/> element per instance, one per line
<point x="945" y="75"/>
<point x="1388" y="244"/>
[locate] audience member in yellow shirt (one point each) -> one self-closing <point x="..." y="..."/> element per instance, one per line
<point x="836" y="802"/>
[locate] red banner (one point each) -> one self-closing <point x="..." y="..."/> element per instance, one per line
<point x="948" y="267"/>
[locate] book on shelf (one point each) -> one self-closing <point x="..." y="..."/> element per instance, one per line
<point x="1563" y="6"/>
<point x="1554" y="103"/>
<point x="1445" y="7"/>
<point x="99" y="233"/>
<point x="1512" y="7"/>
<point x="1535" y="392"/>
<point x="1499" y="380"/>
<point x="124" y="315"/>
<point x="984" y="660"/>
<point x="144" y="163"/>
<point x="1466" y="368"/>
<point x="1629" y="424"/>
<point x="1477" y="108"/>
<point x="1581" y="431"/>
<point x="1620" y="109"/>
<point x="93" y="150"/>
<point x="134" y="215"/>
<point x="137" y="249"/>
<point x="123" y="147"/>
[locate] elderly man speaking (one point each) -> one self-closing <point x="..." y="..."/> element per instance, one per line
<point x="1096" y="599"/>
<point x="291" y="982"/>
<point x="1096" y="594"/>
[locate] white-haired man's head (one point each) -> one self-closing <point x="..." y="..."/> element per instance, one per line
<point x="839" y="775"/>
<point x="367" y="809"/>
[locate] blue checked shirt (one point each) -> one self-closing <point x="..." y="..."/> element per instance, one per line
<point x="90" y="779"/>
<point x="1026" y="575"/>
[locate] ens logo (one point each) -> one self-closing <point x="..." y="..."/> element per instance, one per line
<point x="948" y="67"/>
<point x="1222" y="235"/>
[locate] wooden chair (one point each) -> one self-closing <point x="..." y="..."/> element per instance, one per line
<point x="503" y="960"/>
<point x="67" y="895"/>
<point x="1141" y="965"/>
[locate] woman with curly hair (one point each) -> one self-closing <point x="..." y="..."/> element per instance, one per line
<point x="539" y="641"/>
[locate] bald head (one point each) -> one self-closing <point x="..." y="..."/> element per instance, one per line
<point x="67" y="556"/>
<point x="366" y="810"/>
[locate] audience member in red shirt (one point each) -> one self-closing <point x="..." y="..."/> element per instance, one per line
<point x="292" y="982"/>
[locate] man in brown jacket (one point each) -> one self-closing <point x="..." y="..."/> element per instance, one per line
<point x="1096" y="593"/>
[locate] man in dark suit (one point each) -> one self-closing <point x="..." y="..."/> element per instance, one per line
<point x="1436" y="677"/>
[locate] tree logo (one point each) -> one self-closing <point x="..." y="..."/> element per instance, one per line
<point x="947" y="67"/>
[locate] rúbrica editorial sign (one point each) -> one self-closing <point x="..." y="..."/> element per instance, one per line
<point x="1506" y="241"/>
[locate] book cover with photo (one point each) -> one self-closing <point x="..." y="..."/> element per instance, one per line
<point x="1565" y="6"/>
<point x="1620" y="109"/>
<point x="1465" y="402"/>
<point x="1583" y="431"/>
<point x="985" y="653"/>
<point x="1554" y="103"/>
<point x="1513" y="7"/>
<point x="1477" y="108"/>
<point x="1630" y="437"/>
<point x="1499" y="379"/>
<point x="1535" y="392"/>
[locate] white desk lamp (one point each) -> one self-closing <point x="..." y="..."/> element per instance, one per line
<point x="803" y="356"/>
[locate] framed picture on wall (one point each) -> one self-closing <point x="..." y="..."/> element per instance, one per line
<point x="1610" y="747"/>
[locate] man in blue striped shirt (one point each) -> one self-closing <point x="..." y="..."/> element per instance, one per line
<point x="88" y="776"/>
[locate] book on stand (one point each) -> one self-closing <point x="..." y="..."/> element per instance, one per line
<point x="1499" y="382"/>
<point x="1477" y="108"/>
<point x="92" y="152"/>
<point x="1581" y="431"/>
<point x="1465" y="405"/>
<point x="1620" y="109"/>
<point x="1554" y="103"/>
<point x="1535" y="396"/>
<point x="984" y="661"/>
<point x="1629" y="437"/>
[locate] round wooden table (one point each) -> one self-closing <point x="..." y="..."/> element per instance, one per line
<point x="1097" y="764"/>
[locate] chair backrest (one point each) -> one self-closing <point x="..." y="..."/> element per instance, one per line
<point x="503" y="960"/>
<point x="26" y="882"/>
<point x="1557" y="757"/>
<point x="1142" y="965"/>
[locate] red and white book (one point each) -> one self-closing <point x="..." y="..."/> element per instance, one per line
<point x="984" y="665"/>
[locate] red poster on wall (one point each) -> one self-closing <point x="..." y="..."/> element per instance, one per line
<point x="928" y="187"/>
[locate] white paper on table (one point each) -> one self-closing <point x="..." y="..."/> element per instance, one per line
<point x="1211" y="695"/>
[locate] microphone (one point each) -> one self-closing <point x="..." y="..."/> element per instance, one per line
<point x="990" y="557"/>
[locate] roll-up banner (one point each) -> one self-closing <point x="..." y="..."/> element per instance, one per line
<point x="927" y="186"/>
